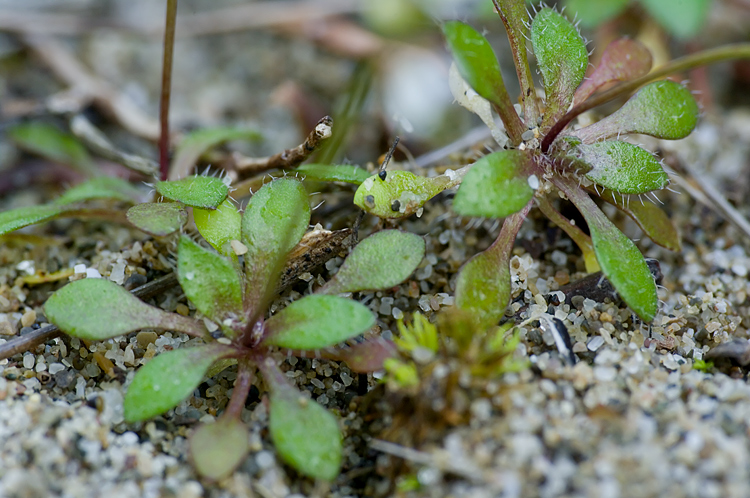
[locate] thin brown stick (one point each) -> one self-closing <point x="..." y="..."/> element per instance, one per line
<point x="166" y="88"/>
<point x="290" y="158"/>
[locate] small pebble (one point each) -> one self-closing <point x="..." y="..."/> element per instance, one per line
<point x="28" y="318"/>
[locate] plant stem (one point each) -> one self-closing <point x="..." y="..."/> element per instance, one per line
<point x="241" y="389"/>
<point x="166" y="88"/>
<point x="711" y="56"/>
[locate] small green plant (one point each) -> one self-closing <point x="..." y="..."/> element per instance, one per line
<point x="233" y="287"/>
<point x="544" y="158"/>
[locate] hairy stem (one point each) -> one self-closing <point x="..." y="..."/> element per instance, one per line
<point x="166" y="88"/>
<point x="711" y="56"/>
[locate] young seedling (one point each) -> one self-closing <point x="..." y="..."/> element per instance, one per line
<point x="544" y="158"/>
<point x="234" y="289"/>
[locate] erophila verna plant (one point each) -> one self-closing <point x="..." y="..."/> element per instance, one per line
<point x="232" y="286"/>
<point x="543" y="157"/>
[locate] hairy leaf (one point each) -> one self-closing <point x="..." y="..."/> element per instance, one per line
<point x="496" y="185"/>
<point x="663" y="109"/>
<point x="210" y="282"/>
<point x="168" y="379"/>
<point x="14" y="219"/>
<point x="682" y="18"/>
<point x="97" y="309"/>
<point x="623" y="59"/>
<point x="592" y="13"/>
<point x="622" y="167"/>
<point x="382" y="260"/>
<point x="317" y="321"/>
<point x="219" y="226"/>
<point x="204" y="192"/>
<point x="347" y="173"/>
<point x="305" y="434"/>
<point x="217" y="449"/>
<point x="562" y="58"/>
<point x="197" y="143"/>
<point x="158" y="218"/>
<point x="51" y="143"/>
<point x="103" y="187"/>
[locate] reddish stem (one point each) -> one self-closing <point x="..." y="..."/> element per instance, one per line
<point x="166" y="87"/>
<point x="241" y="389"/>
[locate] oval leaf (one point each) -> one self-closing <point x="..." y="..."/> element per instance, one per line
<point x="316" y="321"/>
<point x="217" y="449"/>
<point x="14" y="219"/>
<point x="496" y="185"/>
<point x="346" y="173"/>
<point x="562" y="58"/>
<point x="204" y="192"/>
<point x="210" y="282"/>
<point x="305" y="434"/>
<point x="219" y="226"/>
<point x="197" y="143"/>
<point x="168" y="379"/>
<point x="49" y="142"/>
<point x="103" y="187"/>
<point x="382" y="260"/>
<point x="401" y="194"/>
<point x="158" y="218"/>
<point x="663" y="109"/>
<point x="623" y="59"/>
<point x="622" y="167"/>
<point x="97" y="309"/>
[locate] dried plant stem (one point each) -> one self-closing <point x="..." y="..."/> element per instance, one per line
<point x="290" y="158"/>
<point x="166" y="88"/>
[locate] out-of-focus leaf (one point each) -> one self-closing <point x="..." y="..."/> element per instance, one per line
<point x="197" y="143"/>
<point x="103" y="187"/>
<point x="14" y="219"/>
<point x="217" y="449"/>
<point x="592" y="13"/>
<point x="204" y="192"/>
<point x="496" y="185"/>
<point x="51" y="143"/>
<point x="651" y="218"/>
<point x="363" y="357"/>
<point x="168" y="379"/>
<point x="210" y="282"/>
<point x="97" y="309"/>
<point x="274" y="221"/>
<point x="622" y="167"/>
<point x="347" y="173"/>
<point x="305" y="434"/>
<point x="317" y="321"/>
<point x="663" y="109"/>
<point x="562" y="58"/>
<point x="219" y="226"/>
<point x="682" y="18"/>
<point x="624" y="59"/>
<point x="400" y="195"/>
<point x="158" y="218"/>
<point x="382" y="260"/>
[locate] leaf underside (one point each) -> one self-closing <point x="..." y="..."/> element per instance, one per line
<point x="158" y="218"/>
<point x="204" y="192"/>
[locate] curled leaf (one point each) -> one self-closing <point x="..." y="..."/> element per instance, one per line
<point x="622" y="167"/>
<point x="217" y="449"/>
<point x="219" y="226"/>
<point x="663" y="109"/>
<point x="317" y="321"/>
<point x="158" y="218"/>
<point x="380" y="261"/>
<point x="204" y="192"/>
<point x="168" y="379"/>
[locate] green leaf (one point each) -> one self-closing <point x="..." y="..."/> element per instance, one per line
<point x="103" y="187"/>
<point x="317" y="321"/>
<point x="622" y="167"/>
<point x="346" y="173"/>
<point x="483" y="284"/>
<point x="14" y="219"/>
<point x="204" y="192"/>
<point x="496" y="185"/>
<point x="305" y="434"/>
<point x="382" y="260"/>
<point x="219" y="226"/>
<point x="274" y="221"/>
<point x="210" y="282"/>
<point x="49" y="142"/>
<point x="217" y="449"/>
<point x="168" y="379"/>
<point x="663" y="109"/>
<point x="197" y="143"/>
<point x="592" y="13"/>
<point x="682" y="18"/>
<point x="624" y="59"/>
<point x="98" y="309"/>
<point x="401" y="194"/>
<point x="158" y="218"/>
<point x="478" y="65"/>
<point x="562" y="58"/>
